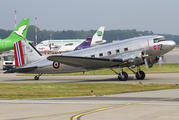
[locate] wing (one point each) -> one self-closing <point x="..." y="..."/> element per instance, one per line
<point x="86" y="62"/>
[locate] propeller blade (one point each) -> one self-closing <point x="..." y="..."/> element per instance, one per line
<point x="160" y="61"/>
<point x="146" y="64"/>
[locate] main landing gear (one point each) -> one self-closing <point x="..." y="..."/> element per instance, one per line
<point x="37" y="77"/>
<point x="123" y="76"/>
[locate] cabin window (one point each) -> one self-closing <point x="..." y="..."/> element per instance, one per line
<point x="100" y="54"/>
<point x="125" y="49"/>
<point x="109" y="53"/>
<point x="92" y="55"/>
<point x="117" y="51"/>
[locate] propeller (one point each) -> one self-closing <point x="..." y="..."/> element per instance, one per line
<point x="161" y="58"/>
<point x="160" y="61"/>
<point x="146" y="64"/>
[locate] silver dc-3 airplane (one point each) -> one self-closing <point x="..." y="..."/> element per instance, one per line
<point x="129" y="53"/>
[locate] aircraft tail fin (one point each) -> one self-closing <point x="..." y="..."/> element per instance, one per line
<point x="20" y="31"/>
<point x="85" y="44"/>
<point x="18" y="54"/>
<point x="25" y="53"/>
<point x="98" y="36"/>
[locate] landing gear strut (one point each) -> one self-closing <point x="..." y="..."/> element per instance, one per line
<point x="122" y="76"/>
<point x="37" y="77"/>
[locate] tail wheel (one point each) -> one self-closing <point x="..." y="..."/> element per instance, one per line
<point x="124" y="76"/>
<point x="140" y="75"/>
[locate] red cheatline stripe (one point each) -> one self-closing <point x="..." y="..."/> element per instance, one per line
<point x="149" y="47"/>
<point x="15" y="55"/>
<point x="21" y="53"/>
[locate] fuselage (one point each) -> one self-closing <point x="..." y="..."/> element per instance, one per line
<point x="148" y="46"/>
<point x="63" y="45"/>
<point x="6" y="45"/>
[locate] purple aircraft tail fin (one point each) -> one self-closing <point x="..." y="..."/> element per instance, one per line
<point x="85" y="44"/>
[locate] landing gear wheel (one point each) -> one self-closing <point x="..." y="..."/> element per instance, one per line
<point x="140" y="75"/>
<point x="124" y="76"/>
<point x="36" y="78"/>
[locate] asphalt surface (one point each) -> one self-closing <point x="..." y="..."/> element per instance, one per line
<point x="162" y="78"/>
<point x="150" y="105"/>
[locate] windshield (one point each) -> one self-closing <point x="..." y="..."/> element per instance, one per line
<point x="156" y="40"/>
<point x="8" y="58"/>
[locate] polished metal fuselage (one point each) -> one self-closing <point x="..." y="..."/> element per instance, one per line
<point x="124" y="50"/>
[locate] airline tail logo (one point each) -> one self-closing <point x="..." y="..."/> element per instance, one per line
<point x="99" y="33"/>
<point x="18" y="54"/>
<point x="20" y="31"/>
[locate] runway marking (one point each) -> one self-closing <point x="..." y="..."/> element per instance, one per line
<point x="77" y="117"/>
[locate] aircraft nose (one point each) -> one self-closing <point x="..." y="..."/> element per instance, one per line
<point x="172" y="43"/>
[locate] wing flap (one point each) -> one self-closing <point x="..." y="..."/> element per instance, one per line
<point x="86" y="62"/>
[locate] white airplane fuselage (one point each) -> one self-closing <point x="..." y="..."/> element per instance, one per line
<point x="65" y="45"/>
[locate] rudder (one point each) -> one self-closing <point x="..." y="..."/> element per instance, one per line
<point x="25" y="53"/>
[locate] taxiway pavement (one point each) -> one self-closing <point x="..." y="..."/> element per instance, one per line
<point x="160" y="78"/>
<point x="151" y="105"/>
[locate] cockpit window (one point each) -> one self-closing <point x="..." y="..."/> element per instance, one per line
<point x="41" y="43"/>
<point x="156" y="40"/>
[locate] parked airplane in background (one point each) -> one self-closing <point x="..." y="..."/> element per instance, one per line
<point x="19" y="33"/>
<point x="127" y="53"/>
<point x="69" y="45"/>
<point x="85" y="44"/>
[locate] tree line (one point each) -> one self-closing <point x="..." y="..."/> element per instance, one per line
<point x="109" y="35"/>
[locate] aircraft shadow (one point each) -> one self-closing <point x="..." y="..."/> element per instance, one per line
<point x="85" y="80"/>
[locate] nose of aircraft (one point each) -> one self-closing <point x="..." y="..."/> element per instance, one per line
<point x="172" y="43"/>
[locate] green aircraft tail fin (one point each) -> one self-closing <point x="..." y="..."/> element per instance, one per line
<point x="20" y="31"/>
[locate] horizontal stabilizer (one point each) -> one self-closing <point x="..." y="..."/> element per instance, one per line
<point x="21" y="70"/>
<point x="86" y="62"/>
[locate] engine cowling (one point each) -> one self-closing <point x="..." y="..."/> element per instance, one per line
<point x="133" y="57"/>
<point x="138" y="57"/>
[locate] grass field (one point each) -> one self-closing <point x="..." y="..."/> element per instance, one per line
<point x="45" y="90"/>
<point x="164" y="68"/>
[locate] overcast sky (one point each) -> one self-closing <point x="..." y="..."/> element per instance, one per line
<point x="159" y="16"/>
